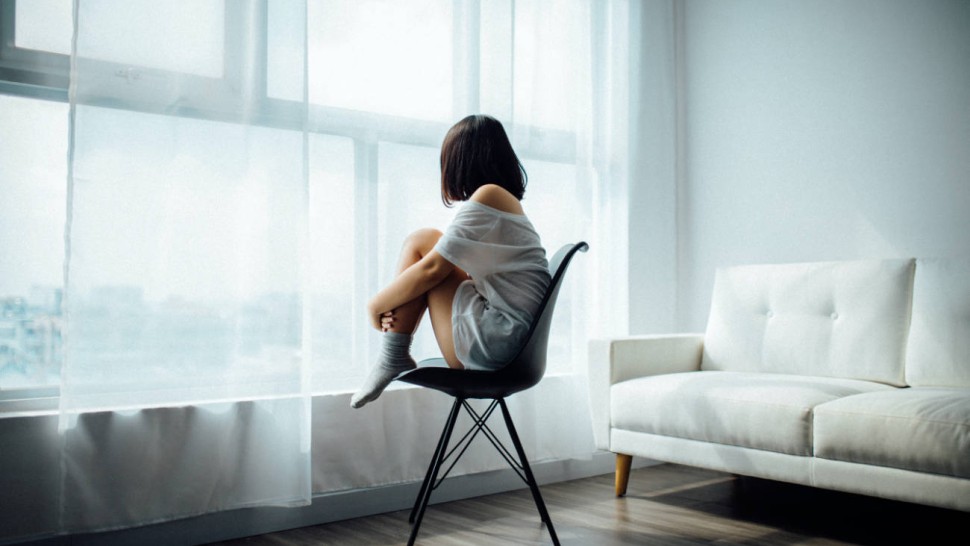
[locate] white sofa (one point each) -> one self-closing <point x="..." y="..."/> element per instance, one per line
<point x="852" y="376"/>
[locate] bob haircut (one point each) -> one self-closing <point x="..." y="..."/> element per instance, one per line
<point x="475" y="152"/>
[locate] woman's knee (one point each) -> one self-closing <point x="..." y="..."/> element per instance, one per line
<point x="422" y="240"/>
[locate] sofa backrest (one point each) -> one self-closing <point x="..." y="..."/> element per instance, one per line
<point x="831" y="319"/>
<point x="938" y="352"/>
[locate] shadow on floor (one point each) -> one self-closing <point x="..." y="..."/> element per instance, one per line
<point x="795" y="510"/>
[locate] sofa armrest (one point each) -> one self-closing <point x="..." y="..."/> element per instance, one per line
<point x="619" y="359"/>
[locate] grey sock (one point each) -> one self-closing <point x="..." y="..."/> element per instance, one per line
<point x="395" y="358"/>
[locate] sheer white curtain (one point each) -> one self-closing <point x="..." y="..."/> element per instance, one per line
<point x="185" y="386"/>
<point x="240" y="186"/>
<point x="386" y="80"/>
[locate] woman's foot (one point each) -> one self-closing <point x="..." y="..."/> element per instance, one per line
<point x="395" y="359"/>
<point x="378" y="380"/>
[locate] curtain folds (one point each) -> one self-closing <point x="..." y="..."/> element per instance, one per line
<point x="184" y="387"/>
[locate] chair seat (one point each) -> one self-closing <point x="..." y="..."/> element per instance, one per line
<point x="435" y="374"/>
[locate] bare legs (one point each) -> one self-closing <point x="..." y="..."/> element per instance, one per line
<point x="399" y="324"/>
<point x="438" y="301"/>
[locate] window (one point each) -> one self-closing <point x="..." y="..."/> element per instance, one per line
<point x="33" y="152"/>
<point x="386" y="79"/>
<point x="193" y="33"/>
<point x="43" y="25"/>
<point x="362" y="57"/>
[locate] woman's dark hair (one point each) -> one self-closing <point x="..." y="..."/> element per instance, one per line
<point x="476" y="151"/>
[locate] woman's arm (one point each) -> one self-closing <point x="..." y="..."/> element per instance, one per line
<point x="433" y="268"/>
<point x="412" y="283"/>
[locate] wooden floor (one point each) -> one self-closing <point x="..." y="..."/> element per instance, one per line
<point x="666" y="504"/>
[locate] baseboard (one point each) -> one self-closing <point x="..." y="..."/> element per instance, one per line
<point x="233" y="524"/>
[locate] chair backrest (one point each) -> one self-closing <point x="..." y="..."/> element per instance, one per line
<point x="529" y="365"/>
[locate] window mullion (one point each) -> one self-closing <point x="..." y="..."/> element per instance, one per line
<point x="466" y="68"/>
<point x="367" y="237"/>
<point x="245" y="53"/>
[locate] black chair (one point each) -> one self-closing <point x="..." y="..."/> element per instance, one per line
<point x="520" y="373"/>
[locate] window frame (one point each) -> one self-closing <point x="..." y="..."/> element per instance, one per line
<point x="27" y="72"/>
<point x="46" y="75"/>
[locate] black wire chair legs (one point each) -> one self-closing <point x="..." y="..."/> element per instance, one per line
<point x="434" y="461"/>
<point x="530" y="479"/>
<point x="518" y="462"/>
<point x="429" y="480"/>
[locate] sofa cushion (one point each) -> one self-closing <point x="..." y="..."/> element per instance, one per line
<point x="833" y="319"/>
<point x="938" y="354"/>
<point x="921" y="429"/>
<point x="756" y="410"/>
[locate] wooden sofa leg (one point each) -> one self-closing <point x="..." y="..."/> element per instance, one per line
<point x="622" y="472"/>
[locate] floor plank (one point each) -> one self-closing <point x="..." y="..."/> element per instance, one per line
<point x="665" y="504"/>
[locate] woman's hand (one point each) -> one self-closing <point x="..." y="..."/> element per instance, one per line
<point x="380" y="321"/>
<point x="387" y="321"/>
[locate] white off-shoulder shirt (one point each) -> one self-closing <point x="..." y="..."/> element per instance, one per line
<point x="503" y="254"/>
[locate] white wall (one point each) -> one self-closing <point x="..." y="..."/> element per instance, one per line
<point x="652" y="220"/>
<point x="822" y="130"/>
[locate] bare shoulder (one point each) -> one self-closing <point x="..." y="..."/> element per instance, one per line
<point x="497" y="197"/>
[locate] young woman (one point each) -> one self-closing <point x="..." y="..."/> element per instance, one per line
<point x="481" y="280"/>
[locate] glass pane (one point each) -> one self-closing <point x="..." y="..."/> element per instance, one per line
<point x="559" y="210"/>
<point x="332" y="255"/>
<point x="382" y="56"/>
<point x="45" y="25"/>
<point x="549" y="39"/>
<point x="495" y="58"/>
<point x="285" y="49"/>
<point x="185" y="36"/>
<point x="186" y="259"/>
<point x="554" y="201"/>
<point x="33" y="182"/>
<point x="409" y="198"/>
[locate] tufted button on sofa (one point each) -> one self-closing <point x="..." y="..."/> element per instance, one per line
<point x="852" y="376"/>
